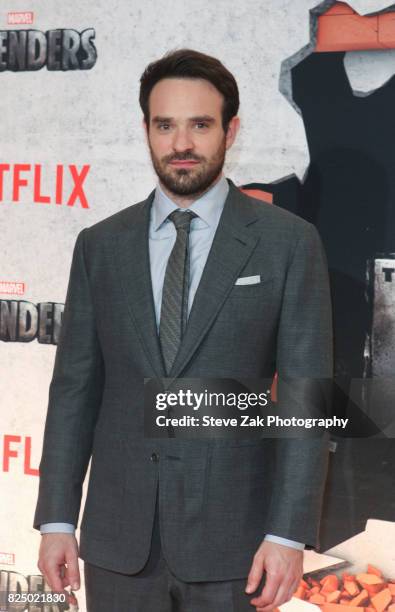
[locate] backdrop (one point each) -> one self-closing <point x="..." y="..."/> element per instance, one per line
<point x="317" y="132"/>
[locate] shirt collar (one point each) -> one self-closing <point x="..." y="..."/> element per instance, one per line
<point x="208" y="207"/>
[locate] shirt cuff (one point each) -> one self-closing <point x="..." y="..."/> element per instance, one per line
<point x="284" y="541"/>
<point x="57" y="528"/>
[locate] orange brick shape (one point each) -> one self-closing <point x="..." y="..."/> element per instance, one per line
<point x="342" y="29"/>
<point x="347" y="33"/>
<point x="340" y="8"/>
<point x="259" y="194"/>
<point x="387" y="30"/>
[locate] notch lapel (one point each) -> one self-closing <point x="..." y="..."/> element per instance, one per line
<point x="231" y="248"/>
<point x="131" y="248"/>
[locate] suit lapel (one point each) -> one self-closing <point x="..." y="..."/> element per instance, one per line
<point x="231" y="248"/>
<point x="132" y="252"/>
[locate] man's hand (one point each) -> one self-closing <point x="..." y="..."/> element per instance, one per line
<point x="58" y="561"/>
<point x="284" y="569"/>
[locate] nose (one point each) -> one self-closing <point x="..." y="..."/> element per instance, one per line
<point x="182" y="140"/>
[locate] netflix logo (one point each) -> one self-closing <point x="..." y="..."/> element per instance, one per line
<point x="12" y="288"/>
<point x="17" y="454"/>
<point x="16" y="18"/>
<point x="15" y="179"/>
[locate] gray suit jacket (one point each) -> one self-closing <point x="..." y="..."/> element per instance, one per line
<point x="217" y="498"/>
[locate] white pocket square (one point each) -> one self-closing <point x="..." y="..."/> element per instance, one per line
<point x="248" y="280"/>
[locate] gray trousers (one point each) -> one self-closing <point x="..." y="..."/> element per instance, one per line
<point x="156" y="589"/>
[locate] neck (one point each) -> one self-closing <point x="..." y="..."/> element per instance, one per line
<point x="184" y="201"/>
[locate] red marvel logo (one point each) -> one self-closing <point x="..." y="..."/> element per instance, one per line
<point x="7" y="558"/>
<point x="18" y="18"/>
<point x="12" y="287"/>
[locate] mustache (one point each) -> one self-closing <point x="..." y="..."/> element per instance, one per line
<point x="182" y="157"/>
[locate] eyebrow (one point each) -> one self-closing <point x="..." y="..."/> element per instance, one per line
<point x="205" y="118"/>
<point x="159" y="119"/>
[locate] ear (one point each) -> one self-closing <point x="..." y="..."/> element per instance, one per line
<point x="233" y="128"/>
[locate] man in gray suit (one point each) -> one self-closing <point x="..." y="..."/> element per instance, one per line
<point x="197" y="281"/>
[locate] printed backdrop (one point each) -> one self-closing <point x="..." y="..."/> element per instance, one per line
<point x="73" y="152"/>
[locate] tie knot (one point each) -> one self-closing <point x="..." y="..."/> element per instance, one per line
<point x="182" y="218"/>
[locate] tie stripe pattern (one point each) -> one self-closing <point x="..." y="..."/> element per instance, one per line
<point x="174" y="307"/>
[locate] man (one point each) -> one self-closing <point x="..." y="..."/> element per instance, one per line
<point x="177" y="524"/>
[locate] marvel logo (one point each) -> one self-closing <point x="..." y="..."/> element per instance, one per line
<point x="7" y="558"/>
<point x="18" y="18"/>
<point x="12" y="287"/>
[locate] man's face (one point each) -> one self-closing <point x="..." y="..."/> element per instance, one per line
<point x="185" y="137"/>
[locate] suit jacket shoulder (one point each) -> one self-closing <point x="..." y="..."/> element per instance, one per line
<point x="275" y="226"/>
<point x="276" y="216"/>
<point x="128" y="217"/>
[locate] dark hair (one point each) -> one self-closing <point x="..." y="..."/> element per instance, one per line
<point x="190" y="64"/>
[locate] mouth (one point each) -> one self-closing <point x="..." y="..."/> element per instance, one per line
<point x="187" y="163"/>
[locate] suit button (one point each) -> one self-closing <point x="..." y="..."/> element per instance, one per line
<point x="154" y="457"/>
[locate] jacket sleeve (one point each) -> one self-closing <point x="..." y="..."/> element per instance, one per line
<point x="74" y="399"/>
<point x="305" y="370"/>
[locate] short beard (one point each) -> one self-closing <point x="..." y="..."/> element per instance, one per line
<point x="180" y="181"/>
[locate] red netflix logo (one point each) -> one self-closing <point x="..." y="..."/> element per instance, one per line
<point x="15" y="448"/>
<point x="22" y="176"/>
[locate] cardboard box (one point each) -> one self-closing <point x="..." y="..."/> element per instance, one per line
<point x="375" y="545"/>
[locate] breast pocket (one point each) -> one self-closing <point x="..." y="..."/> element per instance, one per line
<point x="256" y="290"/>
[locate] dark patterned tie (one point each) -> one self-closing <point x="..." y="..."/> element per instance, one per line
<point x="174" y="308"/>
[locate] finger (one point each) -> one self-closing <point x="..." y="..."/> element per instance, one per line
<point x="255" y="575"/>
<point x="284" y="594"/>
<point x="65" y="580"/>
<point x="269" y="591"/>
<point x="293" y="589"/>
<point x="53" y="575"/>
<point x="63" y="575"/>
<point x="280" y="598"/>
<point x="72" y="570"/>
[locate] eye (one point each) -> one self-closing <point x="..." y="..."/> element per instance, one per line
<point x="164" y="127"/>
<point x="201" y="124"/>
